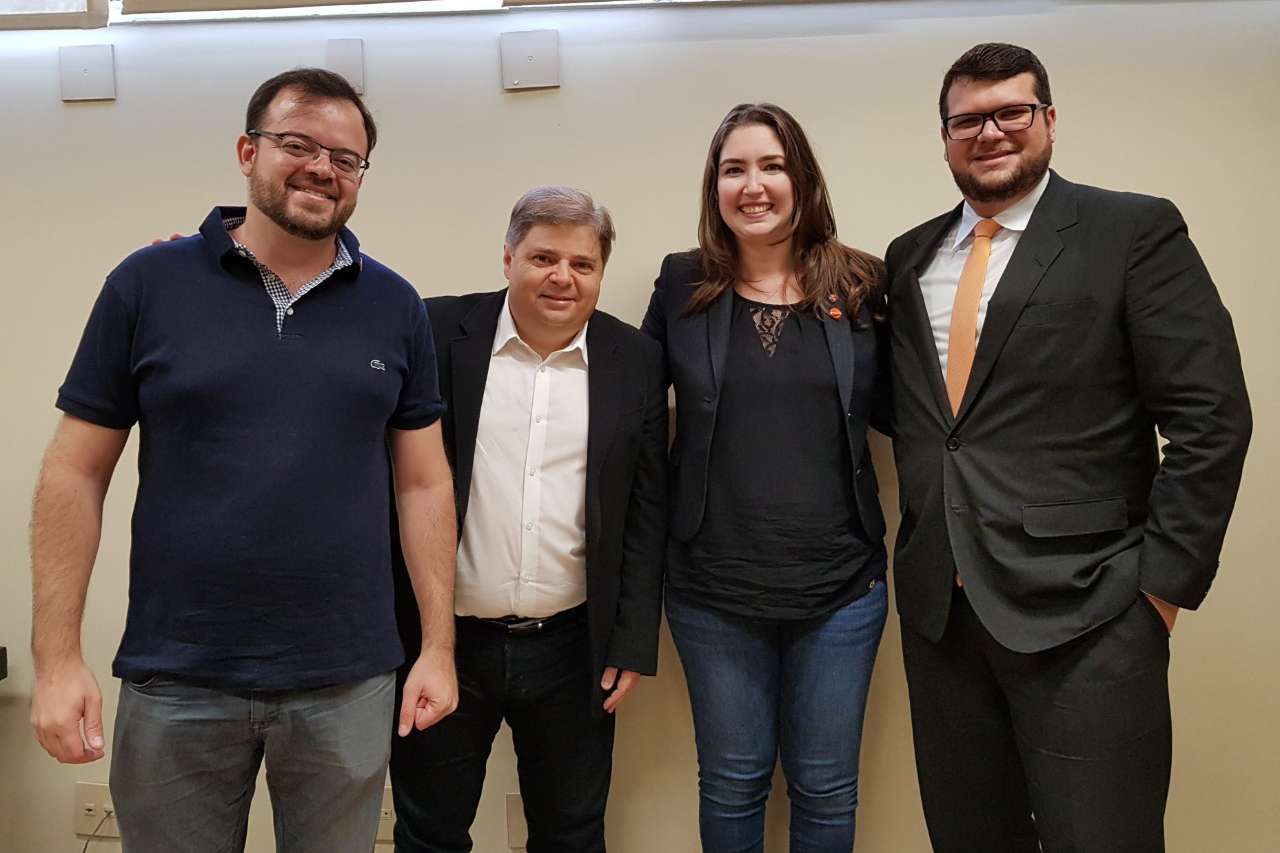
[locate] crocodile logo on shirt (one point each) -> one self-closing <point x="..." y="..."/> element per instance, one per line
<point x="377" y="365"/>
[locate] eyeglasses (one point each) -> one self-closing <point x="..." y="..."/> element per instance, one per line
<point x="1006" y="119"/>
<point x="345" y="162"/>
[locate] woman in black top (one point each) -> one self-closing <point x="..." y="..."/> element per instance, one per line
<point x="776" y="596"/>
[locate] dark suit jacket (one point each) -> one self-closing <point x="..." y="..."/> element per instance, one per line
<point x="626" y="474"/>
<point x="1046" y="491"/>
<point x="696" y="348"/>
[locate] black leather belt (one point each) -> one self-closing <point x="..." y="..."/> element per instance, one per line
<point x="517" y="626"/>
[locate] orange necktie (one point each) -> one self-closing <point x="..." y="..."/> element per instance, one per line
<point x="962" y="340"/>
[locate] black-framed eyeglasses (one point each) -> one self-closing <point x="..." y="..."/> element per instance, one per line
<point x="302" y="147"/>
<point x="1006" y="119"/>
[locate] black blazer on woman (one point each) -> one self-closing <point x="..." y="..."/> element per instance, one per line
<point x="696" y="347"/>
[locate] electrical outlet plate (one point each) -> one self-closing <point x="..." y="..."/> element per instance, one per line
<point x="386" y="817"/>
<point x="93" y="803"/>
<point x="517" y="829"/>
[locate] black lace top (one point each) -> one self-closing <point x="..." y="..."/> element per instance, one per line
<point x="780" y="537"/>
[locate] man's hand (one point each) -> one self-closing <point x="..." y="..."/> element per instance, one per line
<point x="1168" y="612"/>
<point x="424" y="501"/>
<point x="64" y="697"/>
<point x="157" y="241"/>
<point x="66" y="520"/>
<point x="430" y="692"/>
<point x="626" y="679"/>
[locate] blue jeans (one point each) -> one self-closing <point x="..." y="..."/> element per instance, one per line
<point x="185" y="759"/>
<point x="761" y="689"/>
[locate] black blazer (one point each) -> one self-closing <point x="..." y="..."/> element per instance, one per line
<point x="626" y="475"/>
<point x="696" y="347"/>
<point x="1046" y="491"/>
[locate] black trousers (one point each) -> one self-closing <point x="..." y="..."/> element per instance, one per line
<point x="1062" y="751"/>
<point x="541" y="685"/>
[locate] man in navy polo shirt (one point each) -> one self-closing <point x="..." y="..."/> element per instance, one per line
<point x="268" y="365"/>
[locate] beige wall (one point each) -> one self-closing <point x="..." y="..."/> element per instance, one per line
<point x="1176" y="99"/>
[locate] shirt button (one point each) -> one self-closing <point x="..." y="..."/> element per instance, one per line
<point x="538" y="419"/>
<point x="953" y="444"/>
<point x="542" y="369"/>
<point x="533" y="472"/>
<point x="289" y="311"/>
<point x="528" y="525"/>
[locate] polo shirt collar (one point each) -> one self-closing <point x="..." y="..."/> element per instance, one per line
<point x="219" y="242"/>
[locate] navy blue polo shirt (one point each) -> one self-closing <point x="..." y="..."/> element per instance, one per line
<point x="261" y="557"/>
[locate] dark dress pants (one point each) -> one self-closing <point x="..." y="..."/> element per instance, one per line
<point x="1062" y="751"/>
<point x="541" y="684"/>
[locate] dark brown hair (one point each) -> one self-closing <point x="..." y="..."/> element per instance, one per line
<point x="824" y="267"/>
<point x="310" y="83"/>
<point x="995" y="61"/>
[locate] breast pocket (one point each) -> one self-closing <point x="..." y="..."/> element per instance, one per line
<point x="1052" y="314"/>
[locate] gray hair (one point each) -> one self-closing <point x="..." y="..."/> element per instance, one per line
<point x="560" y="206"/>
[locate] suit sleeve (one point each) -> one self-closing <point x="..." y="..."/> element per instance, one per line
<point x="881" y="417"/>
<point x="1189" y="376"/>
<point x="633" y="645"/>
<point x="882" y="401"/>
<point x="655" y="318"/>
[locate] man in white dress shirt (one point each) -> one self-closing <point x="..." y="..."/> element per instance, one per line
<point x="556" y="430"/>
<point x="1045" y="334"/>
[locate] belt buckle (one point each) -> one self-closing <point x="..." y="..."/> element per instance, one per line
<point x="528" y="626"/>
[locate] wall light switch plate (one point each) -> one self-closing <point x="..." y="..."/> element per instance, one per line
<point x="88" y="72"/>
<point x="386" y="818"/>
<point x="531" y="60"/>
<point x="346" y="57"/>
<point x="517" y="829"/>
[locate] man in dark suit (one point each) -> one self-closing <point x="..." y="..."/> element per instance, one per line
<point x="1043" y="333"/>
<point x="556" y="430"/>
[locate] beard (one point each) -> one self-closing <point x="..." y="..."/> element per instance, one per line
<point x="1017" y="183"/>
<point x="273" y="200"/>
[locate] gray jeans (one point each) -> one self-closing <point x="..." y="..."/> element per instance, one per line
<point x="185" y="759"/>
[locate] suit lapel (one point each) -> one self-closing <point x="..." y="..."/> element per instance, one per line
<point x="1037" y="249"/>
<point x="917" y="322"/>
<point x="469" y="355"/>
<point x="843" y="359"/>
<point x="604" y="411"/>
<point x="719" y="317"/>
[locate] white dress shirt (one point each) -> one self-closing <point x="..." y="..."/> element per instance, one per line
<point x="523" y="548"/>
<point x="939" y="282"/>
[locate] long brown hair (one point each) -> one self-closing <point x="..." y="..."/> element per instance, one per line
<point x="824" y="267"/>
